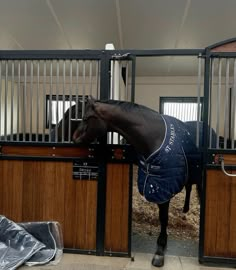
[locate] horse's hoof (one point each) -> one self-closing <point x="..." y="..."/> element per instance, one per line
<point x="158" y="260"/>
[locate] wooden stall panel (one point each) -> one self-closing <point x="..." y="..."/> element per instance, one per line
<point x="11" y="189"/>
<point x="232" y="213"/>
<point x="45" y="151"/>
<point x="220" y="215"/>
<point x="45" y="190"/>
<point x="117" y="208"/>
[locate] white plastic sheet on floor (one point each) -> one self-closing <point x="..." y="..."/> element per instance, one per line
<point x="32" y="243"/>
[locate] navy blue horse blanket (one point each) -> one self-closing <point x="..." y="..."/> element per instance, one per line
<point x="165" y="172"/>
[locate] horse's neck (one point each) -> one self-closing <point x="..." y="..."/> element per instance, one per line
<point x="145" y="131"/>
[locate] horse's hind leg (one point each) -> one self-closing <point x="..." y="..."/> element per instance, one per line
<point x="188" y="188"/>
<point x="158" y="259"/>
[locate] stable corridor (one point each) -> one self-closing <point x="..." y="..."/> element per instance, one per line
<point x="142" y="261"/>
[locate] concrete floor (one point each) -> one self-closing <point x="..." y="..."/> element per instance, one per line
<point x="180" y="255"/>
<point x="142" y="261"/>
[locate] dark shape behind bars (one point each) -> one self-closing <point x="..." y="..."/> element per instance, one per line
<point x="163" y="144"/>
<point x="68" y="124"/>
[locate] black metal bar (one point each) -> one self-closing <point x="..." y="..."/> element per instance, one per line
<point x="157" y="52"/>
<point x="218" y="260"/>
<point x="223" y="54"/>
<point x="105" y="77"/>
<point x="130" y="209"/>
<point x="101" y="189"/>
<point x="116" y="254"/>
<point x="133" y="79"/>
<point x="101" y="207"/>
<point x="205" y="147"/>
<point x="79" y="251"/>
<point x="91" y="54"/>
<point x="50" y="54"/>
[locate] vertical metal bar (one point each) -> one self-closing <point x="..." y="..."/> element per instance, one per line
<point x="127" y="81"/>
<point x="120" y="88"/>
<point x="133" y="79"/>
<point x="226" y="122"/>
<point x="98" y="79"/>
<point x="44" y="98"/>
<point x="63" y="97"/>
<point x="0" y="100"/>
<point x="25" y="101"/>
<point x="6" y="96"/>
<point x="31" y="97"/>
<point x="38" y="102"/>
<point x="70" y="98"/>
<point x="205" y="149"/>
<point x="90" y="77"/>
<point x="210" y="107"/>
<point x="84" y="84"/>
<point x="77" y="90"/>
<point x="57" y="111"/>
<point x="112" y="83"/>
<point x="12" y="95"/>
<point x="198" y="97"/>
<point x="18" y="103"/>
<point x="50" y="103"/>
<point x="218" y="100"/>
<point x="233" y="108"/>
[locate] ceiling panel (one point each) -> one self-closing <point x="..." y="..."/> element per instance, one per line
<point x="129" y="24"/>
<point x="208" y="22"/>
<point x="30" y="24"/>
<point x="88" y="24"/>
<point x="151" y="24"/>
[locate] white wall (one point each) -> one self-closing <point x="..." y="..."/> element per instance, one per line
<point x="150" y="89"/>
<point x="5" y="107"/>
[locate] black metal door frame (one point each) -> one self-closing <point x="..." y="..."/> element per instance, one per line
<point x="208" y="154"/>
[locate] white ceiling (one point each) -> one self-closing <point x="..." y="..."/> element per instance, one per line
<point x="128" y="24"/>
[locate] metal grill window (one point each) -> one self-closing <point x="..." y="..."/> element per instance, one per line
<point x="57" y="107"/>
<point x="185" y="109"/>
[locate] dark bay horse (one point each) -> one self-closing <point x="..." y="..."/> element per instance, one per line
<point x="163" y="144"/>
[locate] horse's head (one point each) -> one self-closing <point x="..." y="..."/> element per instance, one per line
<point x="92" y="125"/>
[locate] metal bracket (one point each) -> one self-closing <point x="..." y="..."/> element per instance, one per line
<point x="221" y="161"/>
<point x="120" y="56"/>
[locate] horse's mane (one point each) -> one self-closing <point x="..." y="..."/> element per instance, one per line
<point x="128" y="106"/>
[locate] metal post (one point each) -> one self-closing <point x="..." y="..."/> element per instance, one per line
<point x="31" y="97"/>
<point x="218" y="104"/>
<point x="70" y="98"/>
<point x="37" y="104"/>
<point x="12" y="95"/>
<point x="1" y="100"/>
<point x="198" y="98"/>
<point x="57" y="111"/>
<point x="44" y="101"/>
<point x="233" y="108"/>
<point x="18" y="102"/>
<point x="50" y="104"/>
<point x="226" y="110"/>
<point x="63" y="96"/>
<point x="77" y="90"/>
<point x="84" y="84"/>
<point x="5" y="107"/>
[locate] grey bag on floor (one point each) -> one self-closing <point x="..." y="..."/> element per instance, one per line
<point x="16" y="245"/>
<point x="49" y="233"/>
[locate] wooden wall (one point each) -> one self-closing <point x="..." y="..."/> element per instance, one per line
<point x="45" y="190"/>
<point x="39" y="190"/>
<point x="117" y="208"/>
<point x="220" y="215"/>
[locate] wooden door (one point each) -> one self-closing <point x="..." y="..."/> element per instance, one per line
<point x="45" y="190"/>
<point x="220" y="215"/>
<point x="117" y="208"/>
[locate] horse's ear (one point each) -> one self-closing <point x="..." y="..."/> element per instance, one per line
<point x="91" y="101"/>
